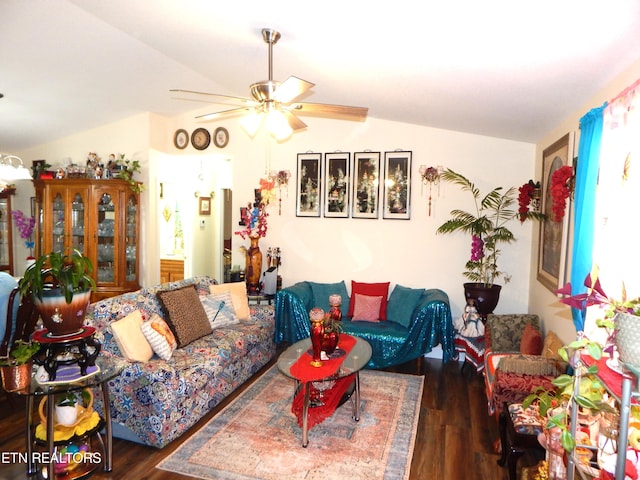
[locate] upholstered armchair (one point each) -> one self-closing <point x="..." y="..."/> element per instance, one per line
<point x="517" y="359"/>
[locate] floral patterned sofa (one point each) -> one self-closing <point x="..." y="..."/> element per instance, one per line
<point x="155" y="402"/>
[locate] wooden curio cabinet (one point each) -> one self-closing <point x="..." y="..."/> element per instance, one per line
<point x="100" y="218"/>
<point x="6" y="238"/>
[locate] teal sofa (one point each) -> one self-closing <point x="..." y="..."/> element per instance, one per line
<point x="423" y="320"/>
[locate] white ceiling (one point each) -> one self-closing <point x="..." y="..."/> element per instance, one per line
<point x="501" y="68"/>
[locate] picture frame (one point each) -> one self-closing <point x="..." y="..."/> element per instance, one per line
<point x="396" y="197"/>
<point x="552" y="250"/>
<point x="309" y="184"/>
<point x="366" y="185"/>
<point x="204" y="205"/>
<point x="336" y="184"/>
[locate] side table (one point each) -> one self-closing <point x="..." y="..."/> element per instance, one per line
<point x="107" y="371"/>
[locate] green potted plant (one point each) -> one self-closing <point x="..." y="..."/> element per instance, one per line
<point x="60" y="286"/>
<point x="488" y="227"/>
<point x="16" y="367"/>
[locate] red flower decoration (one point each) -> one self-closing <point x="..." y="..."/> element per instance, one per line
<point x="560" y="190"/>
<point x="525" y="196"/>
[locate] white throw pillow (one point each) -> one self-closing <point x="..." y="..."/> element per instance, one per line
<point x="219" y="309"/>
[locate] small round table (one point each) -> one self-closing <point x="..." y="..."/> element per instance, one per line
<point x="79" y="347"/>
<point x="352" y="362"/>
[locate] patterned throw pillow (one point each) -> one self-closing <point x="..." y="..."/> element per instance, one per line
<point x="367" y="308"/>
<point x="184" y="314"/>
<point x="160" y="336"/>
<point x="219" y="309"/>
<point x="238" y="291"/>
<point x="132" y="343"/>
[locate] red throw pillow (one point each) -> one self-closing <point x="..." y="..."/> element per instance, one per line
<point x="531" y="343"/>
<point x="372" y="290"/>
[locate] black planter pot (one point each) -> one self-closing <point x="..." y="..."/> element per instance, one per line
<point x="485" y="298"/>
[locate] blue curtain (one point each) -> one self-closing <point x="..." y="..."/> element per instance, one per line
<point x="585" y="199"/>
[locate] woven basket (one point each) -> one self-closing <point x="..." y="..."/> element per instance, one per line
<point x="628" y="338"/>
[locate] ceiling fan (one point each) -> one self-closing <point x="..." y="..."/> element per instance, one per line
<point x="274" y="104"/>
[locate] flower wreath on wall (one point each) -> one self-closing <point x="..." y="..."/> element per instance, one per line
<point x="561" y="189"/>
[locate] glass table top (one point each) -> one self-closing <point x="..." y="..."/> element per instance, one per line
<point x="355" y="360"/>
<point x="107" y="370"/>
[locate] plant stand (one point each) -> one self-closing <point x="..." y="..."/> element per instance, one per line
<point x="79" y="348"/>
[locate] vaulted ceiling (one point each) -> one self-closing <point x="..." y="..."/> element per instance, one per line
<point x="500" y="68"/>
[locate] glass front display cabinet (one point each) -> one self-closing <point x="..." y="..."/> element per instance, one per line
<point x="100" y="218"/>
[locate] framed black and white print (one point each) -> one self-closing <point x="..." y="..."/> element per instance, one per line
<point x="309" y="185"/>
<point x="366" y="185"/>
<point x="396" y="198"/>
<point x="336" y="184"/>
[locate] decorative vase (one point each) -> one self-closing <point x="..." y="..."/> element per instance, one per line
<point x="59" y="317"/>
<point x="16" y="377"/>
<point x="330" y="342"/>
<point x="335" y="302"/>
<point x="254" y="266"/>
<point x="316" y="315"/>
<point x="627" y="338"/>
<point x="485" y="298"/>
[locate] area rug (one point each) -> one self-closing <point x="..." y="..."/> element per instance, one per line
<point x="257" y="437"/>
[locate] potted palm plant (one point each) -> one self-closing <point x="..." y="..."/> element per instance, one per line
<point x="60" y="285"/>
<point x="488" y="227"/>
<point x="16" y="368"/>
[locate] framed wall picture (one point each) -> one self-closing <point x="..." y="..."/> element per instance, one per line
<point x="396" y="197"/>
<point x="552" y="251"/>
<point x="366" y="185"/>
<point x="336" y="184"/>
<point x="308" y="185"/>
<point x="204" y="206"/>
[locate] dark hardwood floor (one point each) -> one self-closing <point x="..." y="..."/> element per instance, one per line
<point x="454" y="440"/>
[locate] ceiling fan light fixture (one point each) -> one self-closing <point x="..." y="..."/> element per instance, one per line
<point x="278" y="125"/>
<point x="252" y="122"/>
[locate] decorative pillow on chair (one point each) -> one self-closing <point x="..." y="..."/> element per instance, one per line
<point x="219" y="309"/>
<point x="238" y="291"/>
<point x="160" y="336"/>
<point x="131" y="341"/>
<point x="402" y="303"/>
<point x="531" y="342"/>
<point x="551" y="346"/>
<point x="321" y="292"/>
<point x="367" y="308"/>
<point x="371" y="289"/>
<point x="184" y="314"/>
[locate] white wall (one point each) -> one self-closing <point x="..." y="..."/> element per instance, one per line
<point x="556" y="316"/>
<point x="329" y="249"/>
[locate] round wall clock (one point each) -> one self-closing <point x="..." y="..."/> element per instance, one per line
<point x="200" y="138"/>
<point x="181" y="139"/>
<point x="221" y="137"/>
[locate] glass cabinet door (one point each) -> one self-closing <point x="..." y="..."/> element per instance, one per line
<point x="57" y="232"/>
<point x="106" y="221"/>
<point x="131" y="236"/>
<point x="77" y="223"/>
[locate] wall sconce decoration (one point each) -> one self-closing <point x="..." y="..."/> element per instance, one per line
<point x="529" y="196"/>
<point x="281" y="178"/>
<point x="431" y="177"/>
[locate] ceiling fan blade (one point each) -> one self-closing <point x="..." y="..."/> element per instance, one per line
<point x="223" y="98"/>
<point x="305" y="108"/>
<point x="291" y="89"/>
<point x="231" y="111"/>
<point x="294" y="122"/>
